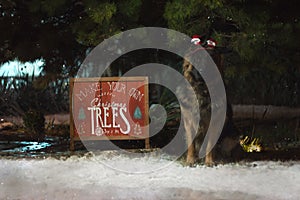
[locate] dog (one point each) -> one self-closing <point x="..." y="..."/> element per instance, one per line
<point x="229" y="138"/>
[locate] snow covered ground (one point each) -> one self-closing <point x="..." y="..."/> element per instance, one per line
<point x="149" y="177"/>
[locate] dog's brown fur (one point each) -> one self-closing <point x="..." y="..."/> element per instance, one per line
<point x="226" y="143"/>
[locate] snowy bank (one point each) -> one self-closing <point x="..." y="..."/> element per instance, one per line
<point x="88" y="177"/>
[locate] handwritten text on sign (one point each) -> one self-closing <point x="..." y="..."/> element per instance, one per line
<point x="110" y="108"/>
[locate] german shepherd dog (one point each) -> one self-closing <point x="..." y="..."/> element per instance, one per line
<point x="229" y="139"/>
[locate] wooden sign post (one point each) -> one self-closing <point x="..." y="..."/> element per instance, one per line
<point x="109" y="108"/>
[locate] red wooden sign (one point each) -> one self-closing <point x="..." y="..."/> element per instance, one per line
<point x="110" y="108"/>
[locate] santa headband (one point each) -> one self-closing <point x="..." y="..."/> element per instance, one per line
<point x="197" y="40"/>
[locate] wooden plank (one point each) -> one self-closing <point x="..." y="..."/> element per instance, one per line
<point x="72" y="146"/>
<point x="89" y="138"/>
<point x="146" y="91"/>
<point x="127" y="79"/>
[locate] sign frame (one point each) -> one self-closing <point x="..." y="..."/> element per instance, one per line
<point x="74" y="138"/>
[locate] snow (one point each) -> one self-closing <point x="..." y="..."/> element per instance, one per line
<point x="115" y="175"/>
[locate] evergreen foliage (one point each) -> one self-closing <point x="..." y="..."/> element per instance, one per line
<point x="261" y="34"/>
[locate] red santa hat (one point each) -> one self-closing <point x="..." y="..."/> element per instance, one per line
<point x="211" y="43"/>
<point x="196" y="39"/>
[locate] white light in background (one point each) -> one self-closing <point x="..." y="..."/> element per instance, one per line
<point x="17" y="68"/>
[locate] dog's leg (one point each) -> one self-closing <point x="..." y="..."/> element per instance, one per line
<point x="190" y="143"/>
<point x="209" y="158"/>
<point x="209" y="161"/>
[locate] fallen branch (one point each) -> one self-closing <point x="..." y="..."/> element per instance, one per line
<point x="256" y="112"/>
<point x="264" y="112"/>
